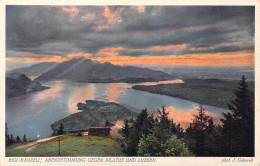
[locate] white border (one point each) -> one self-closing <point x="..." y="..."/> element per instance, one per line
<point x="162" y="160"/>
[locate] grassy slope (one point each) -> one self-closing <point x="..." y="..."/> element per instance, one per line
<point x="72" y="145"/>
<point x="17" y="149"/>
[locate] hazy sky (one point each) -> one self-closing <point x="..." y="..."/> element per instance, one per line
<point x="177" y="35"/>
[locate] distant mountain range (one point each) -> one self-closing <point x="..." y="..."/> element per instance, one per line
<point x="35" y="70"/>
<point x="18" y="84"/>
<point x="85" y="70"/>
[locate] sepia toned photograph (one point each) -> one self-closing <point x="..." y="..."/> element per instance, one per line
<point x="125" y="80"/>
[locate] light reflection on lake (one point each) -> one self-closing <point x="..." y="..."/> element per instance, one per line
<point x="81" y="95"/>
<point x="114" y="90"/>
<point x="185" y="117"/>
<point x="162" y="82"/>
<point x="48" y="93"/>
<point x="32" y="114"/>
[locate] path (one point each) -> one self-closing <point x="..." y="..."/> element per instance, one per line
<point x="38" y="142"/>
<point x="33" y="145"/>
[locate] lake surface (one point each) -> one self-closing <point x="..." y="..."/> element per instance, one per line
<point x="32" y="114"/>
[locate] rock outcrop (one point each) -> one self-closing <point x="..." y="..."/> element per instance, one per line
<point x="18" y="84"/>
<point x="94" y="113"/>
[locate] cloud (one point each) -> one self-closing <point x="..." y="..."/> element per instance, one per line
<point x="221" y="45"/>
<point x="79" y="55"/>
<point x="102" y="27"/>
<point x="112" y="17"/>
<point x="88" y="16"/>
<point x="140" y="9"/>
<point x="210" y="59"/>
<point x="168" y="47"/>
<point x="112" y="49"/>
<point x="246" y="58"/>
<point x="136" y="31"/>
<point x="31" y="57"/>
<point x="72" y="11"/>
<point x="110" y="54"/>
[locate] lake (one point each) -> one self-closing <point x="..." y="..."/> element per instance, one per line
<point x="32" y="114"/>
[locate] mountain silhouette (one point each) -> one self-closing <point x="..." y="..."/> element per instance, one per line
<point x="85" y="70"/>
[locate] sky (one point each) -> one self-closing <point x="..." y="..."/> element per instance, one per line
<point x="130" y="35"/>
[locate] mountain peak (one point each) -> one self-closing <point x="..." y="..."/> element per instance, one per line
<point x="18" y="84"/>
<point x="80" y="59"/>
<point x="16" y="75"/>
<point x="85" y="70"/>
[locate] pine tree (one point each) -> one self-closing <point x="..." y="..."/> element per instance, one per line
<point x="18" y="139"/>
<point x="24" y="138"/>
<point x="156" y="121"/>
<point x="199" y="132"/>
<point x="6" y="135"/>
<point x="8" y="142"/>
<point x="238" y="126"/>
<point x="152" y="145"/>
<point x="179" y="131"/>
<point x="125" y="129"/>
<point x="173" y="127"/>
<point x="141" y="126"/>
<point x="12" y="139"/>
<point x="163" y="118"/>
<point x="163" y="125"/>
<point x="60" y="131"/>
<point x="162" y="138"/>
<point x="131" y="120"/>
<point x="107" y="123"/>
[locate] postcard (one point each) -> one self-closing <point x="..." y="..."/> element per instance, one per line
<point x="129" y="83"/>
